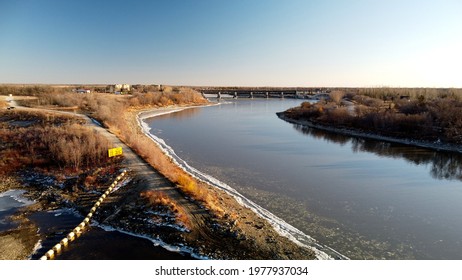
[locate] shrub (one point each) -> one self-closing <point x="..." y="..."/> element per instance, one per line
<point x="305" y="105"/>
<point x="411" y="107"/>
<point x="336" y="96"/>
<point x="339" y="116"/>
<point x="51" y="139"/>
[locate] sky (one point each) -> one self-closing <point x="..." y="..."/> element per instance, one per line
<point x="325" y="43"/>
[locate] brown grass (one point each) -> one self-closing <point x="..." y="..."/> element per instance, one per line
<point x="41" y="139"/>
<point x="199" y="191"/>
<point x="159" y="198"/>
<point x="40" y="118"/>
<point x="336" y="96"/>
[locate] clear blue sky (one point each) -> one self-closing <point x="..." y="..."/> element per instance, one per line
<point x="236" y="42"/>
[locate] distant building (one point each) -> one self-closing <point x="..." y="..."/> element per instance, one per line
<point x="121" y="87"/>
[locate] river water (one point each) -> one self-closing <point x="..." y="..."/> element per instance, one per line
<point x="365" y="199"/>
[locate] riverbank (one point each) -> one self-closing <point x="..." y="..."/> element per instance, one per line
<point x="356" y="133"/>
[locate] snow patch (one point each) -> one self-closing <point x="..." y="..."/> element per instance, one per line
<point x="17" y="195"/>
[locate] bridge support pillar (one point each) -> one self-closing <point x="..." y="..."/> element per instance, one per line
<point x="282" y="94"/>
<point x="267" y="95"/>
<point x="235" y="95"/>
<point x="251" y="95"/>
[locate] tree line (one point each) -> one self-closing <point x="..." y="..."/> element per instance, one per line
<point x="433" y="117"/>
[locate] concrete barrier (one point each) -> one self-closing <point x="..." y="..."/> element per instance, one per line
<point x="77" y="229"/>
<point x="64" y="241"/>
<point x="71" y="236"/>
<point x="57" y="248"/>
<point x="50" y="254"/>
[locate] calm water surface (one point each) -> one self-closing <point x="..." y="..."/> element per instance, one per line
<point x="366" y="199"/>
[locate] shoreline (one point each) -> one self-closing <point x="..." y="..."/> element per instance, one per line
<point x="280" y="226"/>
<point x="443" y="147"/>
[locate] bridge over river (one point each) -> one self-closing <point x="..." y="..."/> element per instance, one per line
<point x="261" y="93"/>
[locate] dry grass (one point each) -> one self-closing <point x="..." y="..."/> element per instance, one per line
<point x="159" y="198"/>
<point x="77" y="146"/>
<point x="42" y="139"/>
<point x="40" y="118"/>
<point x="199" y="191"/>
<point x="189" y="186"/>
<point x="336" y="96"/>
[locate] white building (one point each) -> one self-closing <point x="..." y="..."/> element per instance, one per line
<point x="122" y="87"/>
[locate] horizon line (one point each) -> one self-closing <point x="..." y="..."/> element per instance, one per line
<point x="221" y="86"/>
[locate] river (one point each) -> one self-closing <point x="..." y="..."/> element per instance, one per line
<point x="365" y="199"/>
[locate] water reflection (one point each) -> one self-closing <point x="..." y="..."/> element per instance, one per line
<point x="443" y="165"/>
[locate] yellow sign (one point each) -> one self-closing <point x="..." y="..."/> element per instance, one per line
<point x="115" y="152"/>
